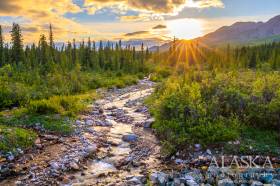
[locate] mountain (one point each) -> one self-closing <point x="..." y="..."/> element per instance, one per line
<point x="243" y="32"/>
<point x="239" y="33"/>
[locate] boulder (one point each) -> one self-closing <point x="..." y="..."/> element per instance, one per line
<point x="148" y="123"/>
<point x="130" y="138"/>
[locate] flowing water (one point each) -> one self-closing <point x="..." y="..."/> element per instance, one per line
<point x="103" y="170"/>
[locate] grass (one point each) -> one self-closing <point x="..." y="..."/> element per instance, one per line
<point x="54" y="114"/>
<point x="14" y="137"/>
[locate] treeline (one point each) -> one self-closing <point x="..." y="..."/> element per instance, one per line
<point x="192" y="54"/>
<point x="109" y="56"/>
<point x="40" y="71"/>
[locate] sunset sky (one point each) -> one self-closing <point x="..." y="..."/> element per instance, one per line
<point x="150" y="20"/>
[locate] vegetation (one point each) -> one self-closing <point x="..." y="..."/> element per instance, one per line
<point x="210" y="96"/>
<point x="49" y="85"/>
<point x="212" y="103"/>
<point x="13" y="138"/>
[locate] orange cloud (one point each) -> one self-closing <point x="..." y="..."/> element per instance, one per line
<point x="151" y="6"/>
<point x="38" y="14"/>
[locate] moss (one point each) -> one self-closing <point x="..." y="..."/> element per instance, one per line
<point x="14" y="137"/>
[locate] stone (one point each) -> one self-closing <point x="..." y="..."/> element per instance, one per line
<point x="50" y="137"/>
<point x="74" y="166"/>
<point x="130" y="138"/>
<point x="11" y="157"/>
<point x="256" y="183"/>
<point x="78" y="122"/>
<point x="195" y="175"/>
<point x="179" y="161"/>
<point x="18" y="183"/>
<point x="91" y="149"/>
<point x="148" y="123"/>
<point x="266" y="178"/>
<point x="134" y="181"/>
<point x="162" y="177"/>
<point x="225" y="182"/>
<point x="54" y="165"/>
<point x="197" y="147"/>
<point x="154" y="177"/>
<point x="177" y="182"/>
<point x="275" y="182"/>
<point x="208" y="151"/>
<point x="108" y="123"/>
<point x="191" y="183"/>
<point x="89" y="122"/>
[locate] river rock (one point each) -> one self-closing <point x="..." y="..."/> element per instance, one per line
<point x="275" y="182"/>
<point x="74" y="166"/>
<point x="266" y="178"/>
<point x="148" y="123"/>
<point x="54" y="166"/>
<point x="10" y="157"/>
<point x="191" y="183"/>
<point x="78" y="122"/>
<point x="225" y="182"/>
<point x="195" y="175"/>
<point x="89" y="122"/>
<point x="134" y="181"/>
<point x="91" y="149"/>
<point x="162" y="177"/>
<point x="154" y="177"/>
<point x="256" y="183"/>
<point x="50" y="137"/>
<point x="130" y="138"/>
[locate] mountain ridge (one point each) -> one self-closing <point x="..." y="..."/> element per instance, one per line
<point x="238" y="33"/>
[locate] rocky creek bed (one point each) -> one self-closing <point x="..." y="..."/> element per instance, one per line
<point x="113" y="144"/>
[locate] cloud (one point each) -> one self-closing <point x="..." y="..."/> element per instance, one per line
<point x="159" y="27"/>
<point x="137" y="33"/>
<point x="34" y="15"/>
<point x="164" y="7"/>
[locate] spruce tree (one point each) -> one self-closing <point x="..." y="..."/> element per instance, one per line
<point x="51" y="37"/>
<point x="43" y="50"/>
<point x="17" y="44"/>
<point x="1" y="48"/>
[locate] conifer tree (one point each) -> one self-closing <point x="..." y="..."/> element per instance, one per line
<point x="51" y="37"/>
<point x="43" y="59"/>
<point x="1" y="47"/>
<point x="17" y="44"/>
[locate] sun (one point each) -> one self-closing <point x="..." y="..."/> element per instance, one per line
<point x="185" y="28"/>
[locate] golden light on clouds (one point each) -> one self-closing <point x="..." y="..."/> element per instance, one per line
<point x="35" y="16"/>
<point x="149" y="7"/>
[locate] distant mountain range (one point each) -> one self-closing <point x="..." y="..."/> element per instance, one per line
<point x="244" y="32"/>
<point x="240" y="33"/>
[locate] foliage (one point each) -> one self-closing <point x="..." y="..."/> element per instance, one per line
<point x="14" y="137"/>
<point x="211" y="107"/>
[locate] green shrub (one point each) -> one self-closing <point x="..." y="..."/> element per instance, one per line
<point x="213" y="107"/>
<point x="13" y="137"/>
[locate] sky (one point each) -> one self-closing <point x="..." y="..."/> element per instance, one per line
<point x="152" y="21"/>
